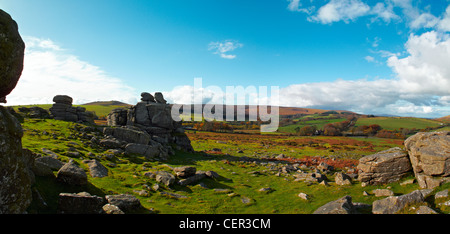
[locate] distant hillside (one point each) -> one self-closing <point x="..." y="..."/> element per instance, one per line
<point x="107" y="103"/>
<point x="445" y="119"/>
<point x="307" y="111"/>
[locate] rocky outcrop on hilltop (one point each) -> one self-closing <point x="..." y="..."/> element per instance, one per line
<point x="12" y="50"/>
<point x="62" y="109"/>
<point x="151" y="117"/>
<point x="429" y="153"/>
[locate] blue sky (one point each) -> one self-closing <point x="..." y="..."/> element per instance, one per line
<point x="380" y="57"/>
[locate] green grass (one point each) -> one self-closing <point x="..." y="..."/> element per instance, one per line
<point x="126" y="173"/>
<point x="395" y="123"/>
<point x="319" y="123"/>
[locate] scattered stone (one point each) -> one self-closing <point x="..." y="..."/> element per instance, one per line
<point x="71" y="174"/>
<point x="343" y="179"/>
<point x="125" y="202"/>
<point x="165" y="178"/>
<point x="150" y="174"/>
<point x="142" y="193"/>
<point x="429" y="155"/>
<point x="343" y="205"/>
<point x="425" y="210"/>
<point x="155" y="187"/>
<point x="266" y="190"/>
<point x="384" y="167"/>
<point x="96" y="169"/>
<point x="324" y="167"/>
<point x="382" y="192"/>
<point x="80" y="203"/>
<point x="49" y="153"/>
<point x="219" y="190"/>
<point x="365" y="193"/>
<point x="185" y="171"/>
<point x="324" y="183"/>
<point x="192" y="179"/>
<point x="441" y="194"/>
<point x="246" y="200"/>
<point x="110" y="143"/>
<point x="112" y="209"/>
<point x="303" y="196"/>
<point x="406" y="182"/>
<point x="173" y="195"/>
<point x="212" y="174"/>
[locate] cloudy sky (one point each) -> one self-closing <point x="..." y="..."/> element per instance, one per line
<point x="372" y="57"/>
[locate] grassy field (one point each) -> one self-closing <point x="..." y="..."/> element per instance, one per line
<point x="230" y="155"/>
<point x="319" y="123"/>
<point x="395" y="123"/>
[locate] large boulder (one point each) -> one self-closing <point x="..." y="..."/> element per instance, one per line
<point x="384" y="167"/>
<point x="12" y="50"/>
<point x="15" y="164"/>
<point x="393" y="204"/>
<point x="429" y="153"/>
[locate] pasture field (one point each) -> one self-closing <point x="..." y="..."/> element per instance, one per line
<point x="395" y="123"/>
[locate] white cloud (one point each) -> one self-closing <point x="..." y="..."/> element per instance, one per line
<point x="384" y="12"/>
<point x="337" y="10"/>
<point x="426" y="70"/>
<point x="421" y="86"/>
<point x="295" y="5"/>
<point x="444" y="23"/>
<point x="350" y="10"/>
<point x="222" y="48"/>
<point x="370" y="59"/>
<point x="50" y="70"/>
